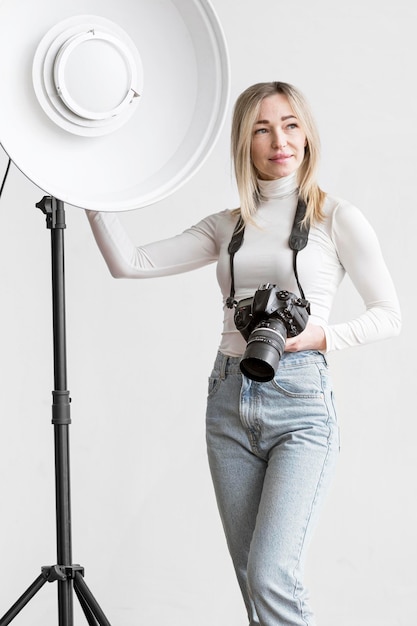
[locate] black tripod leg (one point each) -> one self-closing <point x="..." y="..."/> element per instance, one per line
<point x="86" y="609"/>
<point x="23" y="600"/>
<point x="88" y="602"/>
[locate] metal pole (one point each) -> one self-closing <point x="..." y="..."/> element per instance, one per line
<point x="61" y="413"/>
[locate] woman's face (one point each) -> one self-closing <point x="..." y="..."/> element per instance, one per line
<point x="278" y="141"/>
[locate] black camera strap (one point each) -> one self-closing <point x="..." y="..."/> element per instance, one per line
<point x="297" y="241"/>
<point x="234" y="245"/>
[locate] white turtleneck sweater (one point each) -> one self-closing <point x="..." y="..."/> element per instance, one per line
<point x="343" y="242"/>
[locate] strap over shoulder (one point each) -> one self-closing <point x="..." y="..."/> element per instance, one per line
<point x="297" y="241"/>
<point x="299" y="233"/>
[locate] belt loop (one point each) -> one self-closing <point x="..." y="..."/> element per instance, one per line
<point x="223" y="367"/>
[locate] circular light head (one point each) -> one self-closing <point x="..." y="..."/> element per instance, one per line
<point x="88" y="76"/>
<point x="116" y="108"/>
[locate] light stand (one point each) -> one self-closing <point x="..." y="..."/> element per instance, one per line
<point x="75" y="84"/>
<point x="68" y="576"/>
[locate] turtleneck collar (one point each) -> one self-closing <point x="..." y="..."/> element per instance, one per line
<point x="278" y="188"/>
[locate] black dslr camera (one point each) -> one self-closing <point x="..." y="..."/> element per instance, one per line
<point x="265" y="321"/>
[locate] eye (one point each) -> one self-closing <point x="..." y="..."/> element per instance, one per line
<point x="292" y="126"/>
<point x="260" y="131"/>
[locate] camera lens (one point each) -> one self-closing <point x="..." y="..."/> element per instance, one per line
<point x="264" y="350"/>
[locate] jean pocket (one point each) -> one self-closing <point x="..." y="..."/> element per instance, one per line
<point x="213" y="385"/>
<point x="299" y="382"/>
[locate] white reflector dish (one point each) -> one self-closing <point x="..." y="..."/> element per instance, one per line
<point x="111" y="105"/>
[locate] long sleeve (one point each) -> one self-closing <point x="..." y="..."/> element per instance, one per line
<point x="190" y="250"/>
<point x="360" y="255"/>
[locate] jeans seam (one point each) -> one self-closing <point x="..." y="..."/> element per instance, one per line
<point x="315" y="498"/>
<point x="312" y="508"/>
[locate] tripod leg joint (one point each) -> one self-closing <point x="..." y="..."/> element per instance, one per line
<point x="53" y="573"/>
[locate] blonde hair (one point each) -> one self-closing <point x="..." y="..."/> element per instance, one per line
<point x="245" y="114"/>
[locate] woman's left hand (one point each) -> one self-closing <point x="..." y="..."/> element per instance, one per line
<point x="312" y="338"/>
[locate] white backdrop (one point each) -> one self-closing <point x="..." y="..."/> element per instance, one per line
<point x="145" y="524"/>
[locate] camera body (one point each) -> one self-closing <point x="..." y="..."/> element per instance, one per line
<point x="265" y="321"/>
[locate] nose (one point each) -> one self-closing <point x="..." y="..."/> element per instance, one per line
<point x="279" y="140"/>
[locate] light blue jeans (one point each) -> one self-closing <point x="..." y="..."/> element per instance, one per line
<point x="272" y="449"/>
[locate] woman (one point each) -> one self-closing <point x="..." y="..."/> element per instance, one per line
<point x="272" y="446"/>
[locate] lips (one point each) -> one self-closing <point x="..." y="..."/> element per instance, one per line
<point x="280" y="158"/>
